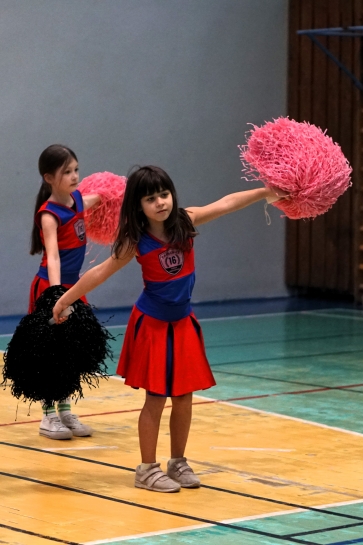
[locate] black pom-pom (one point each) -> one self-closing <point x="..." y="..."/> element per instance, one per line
<point x="49" y="363"/>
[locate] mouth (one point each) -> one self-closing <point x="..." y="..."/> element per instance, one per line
<point x="161" y="211"/>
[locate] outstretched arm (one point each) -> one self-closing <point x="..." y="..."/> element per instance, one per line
<point x="90" y="200"/>
<point x="89" y="281"/>
<point x="232" y="203"/>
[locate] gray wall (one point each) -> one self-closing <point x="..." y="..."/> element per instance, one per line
<point x="123" y="82"/>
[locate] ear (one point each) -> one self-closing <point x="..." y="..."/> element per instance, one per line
<point x="48" y="178"/>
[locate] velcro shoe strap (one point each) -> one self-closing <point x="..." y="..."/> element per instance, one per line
<point x="152" y="475"/>
<point x="182" y="467"/>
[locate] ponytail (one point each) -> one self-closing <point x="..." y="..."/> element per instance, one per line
<point x="44" y="193"/>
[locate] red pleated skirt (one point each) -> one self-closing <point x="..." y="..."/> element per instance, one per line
<point x="36" y="289"/>
<point x="164" y="358"/>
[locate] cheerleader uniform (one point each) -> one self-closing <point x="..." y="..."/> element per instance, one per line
<point x="163" y="350"/>
<point x="71" y="237"/>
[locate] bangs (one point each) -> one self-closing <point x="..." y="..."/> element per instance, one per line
<point x="153" y="182"/>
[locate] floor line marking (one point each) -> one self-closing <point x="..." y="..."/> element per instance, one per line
<point x="218" y="489"/>
<point x="255" y="449"/>
<point x="231" y="521"/>
<point x="280" y="415"/>
<point x="54" y="449"/>
<point x="209" y="400"/>
<point x="272" y="379"/>
<point x="350" y="542"/>
<point x="292" y="357"/>
<point x="337" y="316"/>
<point x="222" y="318"/>
<point x="324" y="530"/>
<point x="155" y="509"/>
<point x="28" y="532"/>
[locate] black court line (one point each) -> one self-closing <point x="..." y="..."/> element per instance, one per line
<point x="347" y="388"/>
<point x="157" y="509"/>
<point x="349" y="542"/>
<point x="285" y="340"/>
<point x="210" y="487"/>
<point x="37" y="535"/>
<point x="290" y="357"/>
<point x="323" y="530"/>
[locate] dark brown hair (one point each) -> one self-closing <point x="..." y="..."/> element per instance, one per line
<point x="51" y="159"/>
<point x="133" y="222"/>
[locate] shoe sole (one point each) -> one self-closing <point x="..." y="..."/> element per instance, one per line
<point x="194" y="485"/>
<point x="170" y="490"/>
<point x="59" y="436"/>
<point x="80" y="434"/>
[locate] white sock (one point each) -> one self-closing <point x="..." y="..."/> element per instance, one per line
<point x="172" y="460"/>
<point x="144" y="467"/>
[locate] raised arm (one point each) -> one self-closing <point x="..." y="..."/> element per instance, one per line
<point x="90" y="200"/>
<point x="89" y="281"/>
<point x="232" y="203"/>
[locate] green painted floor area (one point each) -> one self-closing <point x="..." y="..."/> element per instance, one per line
<point x="304" y="527"/>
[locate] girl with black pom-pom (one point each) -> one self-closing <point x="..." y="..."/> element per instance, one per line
<point x="163" y="351"/>
<point x="59" y="234"/>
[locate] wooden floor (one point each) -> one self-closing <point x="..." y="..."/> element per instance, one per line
<point x="278" y="445"/>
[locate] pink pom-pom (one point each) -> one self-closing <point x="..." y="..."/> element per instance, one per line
<point x="102" y="220"/>
<point x="302" y="160"/>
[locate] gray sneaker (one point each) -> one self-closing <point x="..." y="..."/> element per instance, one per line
<point x="182" y="473"/>
<point x="75" y="426"/>
<point x="52" y="427"/>
<point x="155" y="479"/>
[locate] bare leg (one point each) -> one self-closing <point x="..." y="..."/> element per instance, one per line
<point x="149" y="424"/>
<point x="180" y="419"/>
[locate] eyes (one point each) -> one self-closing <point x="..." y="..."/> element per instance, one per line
<point x="163" y="195"/>
<point x="69" y="171"/>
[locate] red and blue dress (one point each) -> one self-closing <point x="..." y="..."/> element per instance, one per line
<point x="71" y="237"/>
<point x="163" y="350"/>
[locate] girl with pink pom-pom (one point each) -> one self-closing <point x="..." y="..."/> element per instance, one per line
<point x="163" y="351"/>
<point x="59" y="234"/>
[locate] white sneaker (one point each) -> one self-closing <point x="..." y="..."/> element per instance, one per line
<point x="75" y="426"/>
<point x="52" y="427"/>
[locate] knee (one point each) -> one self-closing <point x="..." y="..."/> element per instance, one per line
<point x="184" y="401"/>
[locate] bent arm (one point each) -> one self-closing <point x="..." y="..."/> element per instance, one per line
<point x="49" y="227"/>
<point x="90" y="200"/>
<point x="89" y="281"/>
<point x="230" y="203"/>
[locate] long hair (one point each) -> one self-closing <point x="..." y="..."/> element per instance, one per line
<point x="133" y="222"/>
<point x="51" y="159"/>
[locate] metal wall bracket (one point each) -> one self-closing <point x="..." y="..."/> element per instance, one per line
<point x="350" y="31"/>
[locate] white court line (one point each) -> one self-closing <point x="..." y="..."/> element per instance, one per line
<point x="245" y="316"/>
<point x="325" y="315"/>
<point x="255" y="449"/>
<point x="78" y="448"/>
<point x="252" y="409"/>
<point x="285" y="416"/>
<point x="228" y="521"/>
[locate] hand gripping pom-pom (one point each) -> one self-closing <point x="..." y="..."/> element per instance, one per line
<point x="102" y="220"/>
<point x="300" y="159"/>
<point x="48" y="363"/>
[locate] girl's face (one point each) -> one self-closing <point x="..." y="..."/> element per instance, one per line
<point x="158" y="206"/>
<point x="64" y="180"/>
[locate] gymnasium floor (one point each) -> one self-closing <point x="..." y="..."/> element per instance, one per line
<point x="278" y="445"/>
